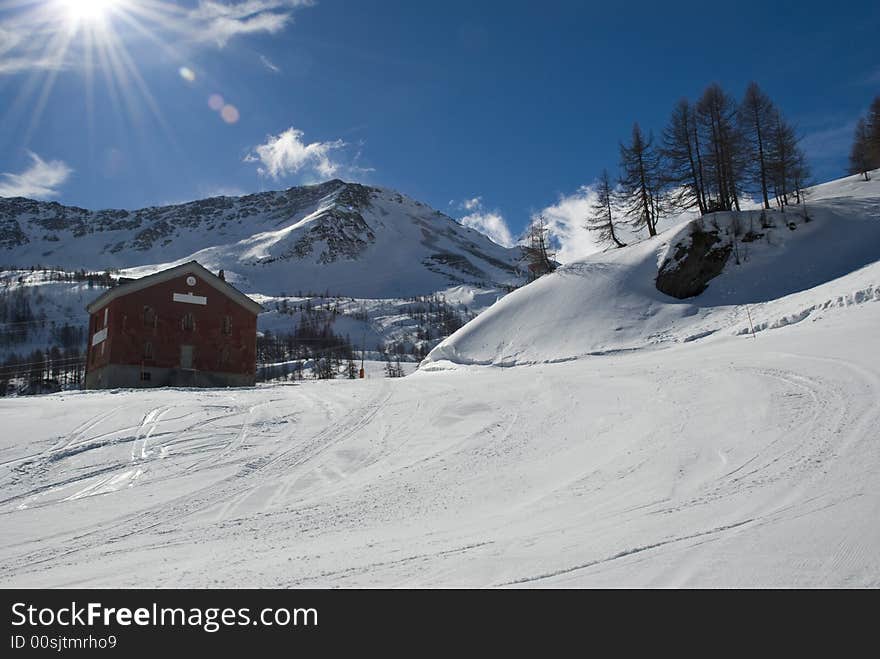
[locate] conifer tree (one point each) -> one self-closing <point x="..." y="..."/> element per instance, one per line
<point x="537" y="255"/>
<point x="859" y="155"/>
<point x="682" y="161"/>
<point x="756" y="118"/>
<point x="639" y="181"/>
<point x="724" y="159"/>
<point x="601" y="219"/>
<point x="786" y="163"/>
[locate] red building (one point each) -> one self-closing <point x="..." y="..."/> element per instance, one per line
<point x="180" y="327"/>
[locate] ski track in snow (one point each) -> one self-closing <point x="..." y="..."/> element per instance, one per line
<point x="737" y="462"/>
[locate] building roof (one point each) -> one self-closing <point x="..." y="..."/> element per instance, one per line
<point x="193" y="267"/>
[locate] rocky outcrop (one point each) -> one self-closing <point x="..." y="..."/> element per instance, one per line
<point x="694" y="264"/>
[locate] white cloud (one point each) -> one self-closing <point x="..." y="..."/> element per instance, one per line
<point x="489" y="223"/>
<point x="472" y="204"/>
<point x="19" y="54"/>
<point x="269" y="64"/>
<point x="41" y="180"/>
<point x="220" y="21"/>
<point x="8" y="40"/>
<point x="24" y="63"/>
<point x="287" y="153"/>
<point x="565" y="221"/>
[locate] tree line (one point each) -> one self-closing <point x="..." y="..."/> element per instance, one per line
<point x="102" y="279"/>
<point x="713" y="154"/>
<point x="865" y="153"/>
<point x="280" y="356"/>
<point x="42" y="371"/>
<point x="436" y="319"/>
<point x="25" y="369"/>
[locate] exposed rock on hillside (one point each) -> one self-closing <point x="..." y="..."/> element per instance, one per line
<point x="694" y="264"/>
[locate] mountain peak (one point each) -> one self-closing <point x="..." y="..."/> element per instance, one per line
<point x="338" y="236"/>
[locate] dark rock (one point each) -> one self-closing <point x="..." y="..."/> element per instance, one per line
<point x="692" y="266"/>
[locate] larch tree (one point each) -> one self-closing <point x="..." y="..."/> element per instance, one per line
<point x="800" y="179"/>
<point x="723" y="160"/>
<point x="859" y="155"/>
<point x="784" y="158"/>
<point x="800" y="175"/>
<point x="755" y="119"/>
<point x="601" y="218"/>
<point x="539" y="259"/>
<point x="639" y="181"/>
<point x="682" y="161"/>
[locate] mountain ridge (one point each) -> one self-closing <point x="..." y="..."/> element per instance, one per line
<point x="345" y="237"/>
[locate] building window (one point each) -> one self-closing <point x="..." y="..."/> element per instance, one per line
<point x="149" y="317"/>
<point x="146" y="376"/>
<point x="227" y="325"/>
<point x="148" y="350"/>
<point x="188" y="323"/>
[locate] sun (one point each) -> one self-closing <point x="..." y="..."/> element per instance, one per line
<point x="97" y="37"/>
<point x="88" y="11"/>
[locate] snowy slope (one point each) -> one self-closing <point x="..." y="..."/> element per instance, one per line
<point x="719" y="460"/>
<point x="735" y="462"/>
<point x="336" y="237"/>
<point x="609" y="301"/>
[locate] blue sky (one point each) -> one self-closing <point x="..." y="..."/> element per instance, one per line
<point x="483" y="109"/>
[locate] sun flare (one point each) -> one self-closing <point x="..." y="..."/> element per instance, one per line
<point x="88" y="11"/>
<point x="107" y="40"/>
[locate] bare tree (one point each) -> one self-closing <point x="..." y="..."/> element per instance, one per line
<point x="640" y="181"/>
<point x="859" y="156"/>
<point x="723" y="159"/>
<point x="784" y="159"/>
<point x="682" y="161"/>
<point x="601" y="219"/>
<point x="800" y="176"/>
<point x="755" y="118"/>
<point x="537" y="255"/>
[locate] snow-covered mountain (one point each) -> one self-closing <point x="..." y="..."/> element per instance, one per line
<point x="336" y="237"/>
